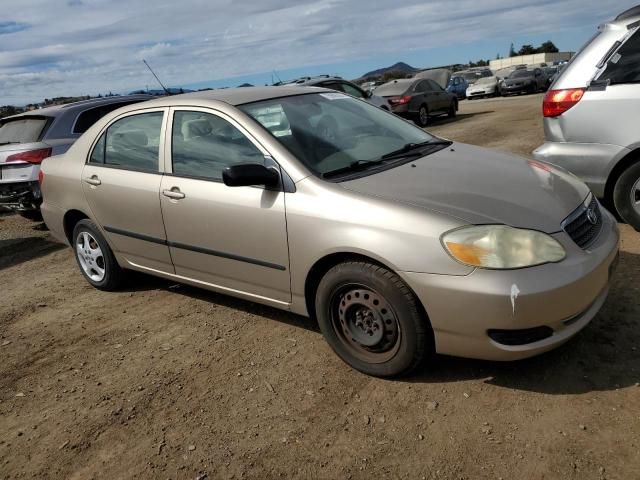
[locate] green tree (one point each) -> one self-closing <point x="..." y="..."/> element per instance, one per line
<point x="512" y="51"/>
<point x="548" y="47"/>
<point x="527" y="50"/>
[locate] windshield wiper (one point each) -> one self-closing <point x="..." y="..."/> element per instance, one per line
<point x="413" y="149"/>
<point x="8" y="143"/>
<point x="408" y="150"/>
<point x="356" y="166"/>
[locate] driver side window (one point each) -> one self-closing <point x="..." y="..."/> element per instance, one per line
<point x="203" y="145"/>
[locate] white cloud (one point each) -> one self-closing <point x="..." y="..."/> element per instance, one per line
<point x="90" y="46"/>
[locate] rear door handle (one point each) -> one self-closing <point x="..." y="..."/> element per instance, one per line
<point x="93" y="180"/>
<point x="174" y="193"/>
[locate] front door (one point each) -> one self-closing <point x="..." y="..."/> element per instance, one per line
<point x="231" y="238"/>
<point x="121" y="182"/>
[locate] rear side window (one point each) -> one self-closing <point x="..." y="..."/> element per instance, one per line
<point x="624" y="65"/>
<point x="132" y="142"/>
<point x="23" y="130"/>
<point x="433" y="86"/>
<point x="87" y="118"/>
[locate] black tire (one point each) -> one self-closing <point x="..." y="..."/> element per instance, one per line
<point x="626" y="195"/>
<point x="113" y="273"/>
<point x="453" y="111"/>
<point x="403" y="337"/>
<point x="33" y="215"/>
<point x="422" y="117"/>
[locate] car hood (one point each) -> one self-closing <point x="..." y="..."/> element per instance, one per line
<point x="511" y="81"/>
<point x="480" y="186"/>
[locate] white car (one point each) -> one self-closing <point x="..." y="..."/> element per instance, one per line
<point x="484" y="87"/>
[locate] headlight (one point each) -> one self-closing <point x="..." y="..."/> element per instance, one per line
<point x="501" y="247"/>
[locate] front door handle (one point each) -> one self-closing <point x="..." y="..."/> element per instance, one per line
<point x="93" y="180"/>
<point x="174" y="193"/>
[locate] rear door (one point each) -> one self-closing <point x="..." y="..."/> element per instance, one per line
<point x="121" y="182"/>
<point x="437" y="96"/>
<point x="231" y="238"/>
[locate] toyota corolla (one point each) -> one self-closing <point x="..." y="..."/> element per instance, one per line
<point x="399" y="243"/>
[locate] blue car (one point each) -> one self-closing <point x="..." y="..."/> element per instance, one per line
<point x="458" y="86"/>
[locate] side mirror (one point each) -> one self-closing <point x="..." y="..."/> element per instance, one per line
<point x="248" y="174"/>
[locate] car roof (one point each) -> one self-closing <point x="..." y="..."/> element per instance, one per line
<point x="234" y="96"/>
<point x="312" y="80"/>
<point x="57" y="110"/>
<point x="630" y="15"/>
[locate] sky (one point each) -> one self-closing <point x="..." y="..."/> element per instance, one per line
<point x="53" y="48"/>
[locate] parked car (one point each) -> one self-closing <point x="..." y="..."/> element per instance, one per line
<point x="484" y="87"/>
<point x="524" y="81"/>
<point x="418" y="99"/>
<point x="458" y="86"/>
<point x="591" y="116"/>
<point x="341" y="85"/>
<point x="28" y="138"/>
<point x="472" y="76"/>
<point x="439" y="75"/>
<point x="399" y="243"/>
<point x="369" y="87"/>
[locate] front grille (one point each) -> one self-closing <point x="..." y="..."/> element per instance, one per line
<point x="585" y="223"/>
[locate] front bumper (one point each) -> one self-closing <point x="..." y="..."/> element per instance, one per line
<point x="512" y="89"/>
<point x="480" y="93"/>
<point x="592" y="162"/>
<point x="564" y="296"/>
<point x="20" y="196"/>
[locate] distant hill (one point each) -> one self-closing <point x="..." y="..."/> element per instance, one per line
<point x="399" y="67"/>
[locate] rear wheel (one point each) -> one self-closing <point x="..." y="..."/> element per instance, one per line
<point x="626" y="195"/>
<point x="452" y="110"/>
<point x="422" y="118"/>
<point x="372" y="320"/>
<point x="95" y="258"/>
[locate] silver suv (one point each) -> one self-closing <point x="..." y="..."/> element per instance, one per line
<point x="28" y="138"/>
<point x="591" y="116"/>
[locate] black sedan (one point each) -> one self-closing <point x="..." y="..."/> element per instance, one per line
<point x="524" y="81"/>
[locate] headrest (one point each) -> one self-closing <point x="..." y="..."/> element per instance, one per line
<point x="129" y="139"/>
<point x="196" y="128"/>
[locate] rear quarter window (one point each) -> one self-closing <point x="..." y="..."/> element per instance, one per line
<point x="23" y="130"/>
<point x="624" y="65"/>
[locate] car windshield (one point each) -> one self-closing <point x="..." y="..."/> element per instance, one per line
<point x="332" y="131"/>
<point x="470" y="77"/>
<point x="521" y="74"/>
<point x="485" y="80"/>
<point x="22" y="130"/>
<point x="393" y="88"/>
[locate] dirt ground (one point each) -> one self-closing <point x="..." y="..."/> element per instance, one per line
<point x="171" y="382"/>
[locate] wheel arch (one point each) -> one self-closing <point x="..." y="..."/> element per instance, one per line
<point x="70" y="220"/>
<point x="324" y="264"/>
<point x="624" y="163"/>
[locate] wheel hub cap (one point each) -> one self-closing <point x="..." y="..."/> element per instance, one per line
<point x="366" y="323"/>
<point x="635" y="196"/>
<point x="90" y="257"/>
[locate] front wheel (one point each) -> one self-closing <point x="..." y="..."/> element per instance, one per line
<point x="372" y="320"/>
<point x="422" y="118"/>
<point x="626" y="196"/>
<point x="95" y="258"/>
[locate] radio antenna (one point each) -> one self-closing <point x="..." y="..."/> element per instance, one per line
<point x="154" y="74"/>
